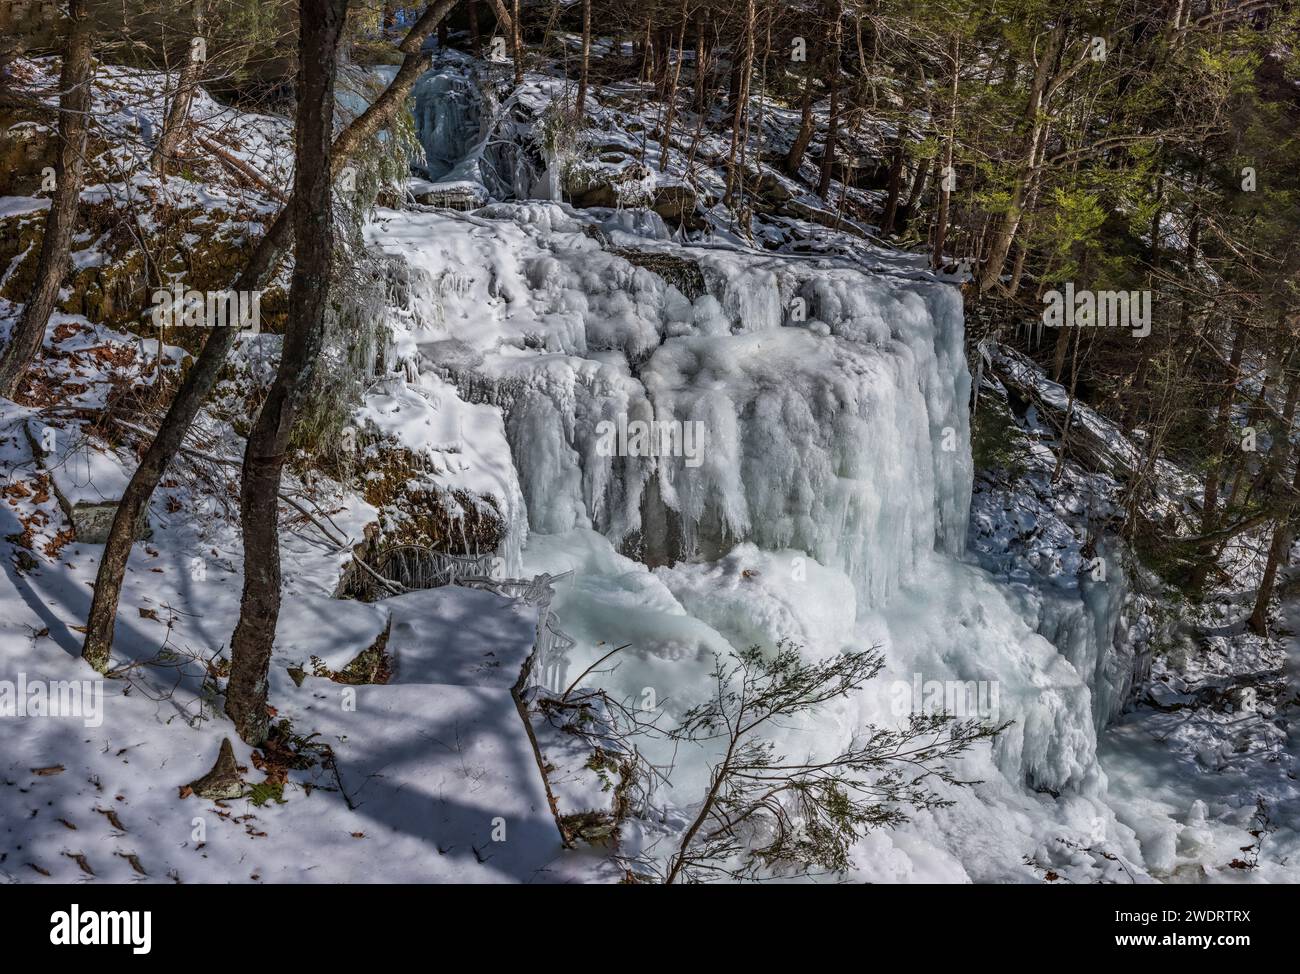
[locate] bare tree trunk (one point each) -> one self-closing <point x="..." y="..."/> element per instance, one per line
<point x="1282" y="436"/>
<point x="1219" y="441"/>
<point x="1018" y="266"/>
<point x="803" y="138"/>
<point x="895" y="187"/>
<point x="509" y="23"/>
<point x="661" y="53"/>
<point x="1275" y="371"/>
<point x="833" y="120"/>
<point x="916" y="189"/>
<point x="733" y="77"/>
<point x="1283" y="535"/>
<point x="703" y="67"/>
<point x="69" y="175"/>
<point x="178" y="114"/>
<point x="674" y="77"/>
<point x="740" y="100"/>
<point x="475" y="35"/>
<point x="320" y="25"/>
<point x="1278" y="550"/>
<point x="647" y="51"/>
<point x="945" y="173"/>
<point x="1060" y="351"/>
<point x="517" y="32"/>
<point x="207" y="367"/>
<point x="586" y="60"/>
<point x="1035" y="121"/>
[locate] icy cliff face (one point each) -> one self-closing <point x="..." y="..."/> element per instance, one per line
<point x="469" y="139"/>
<point x="827" y="406"/>
<point x="451" y="125"/>
<point x="1087" y="626"/>
<point x="1033" y="536"/>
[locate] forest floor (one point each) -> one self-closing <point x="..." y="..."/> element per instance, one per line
<point x="430" y="775"/>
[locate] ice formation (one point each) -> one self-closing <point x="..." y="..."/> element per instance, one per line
<point x="469" y="139"/>
<point x="841" y="434"/>
<point x="829" y="505"/>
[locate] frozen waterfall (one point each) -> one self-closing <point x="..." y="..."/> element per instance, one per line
<point x="828" y="500"/>
<point x="843" y="433"/>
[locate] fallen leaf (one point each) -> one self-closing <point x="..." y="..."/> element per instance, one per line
<point x="80" y="860"/>
<point x="113" y="820"/>
<point x="134" y="860"/>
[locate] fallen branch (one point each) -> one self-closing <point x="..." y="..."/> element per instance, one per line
<point x="239" y="166"/>
<point x="565" y="695"/>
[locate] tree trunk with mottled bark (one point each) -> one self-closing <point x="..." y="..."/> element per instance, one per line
<point x="178" y="113"/>
<point x="69" y="176"/>
<point x="202" y="376"/>
<point x="320" y="26"/>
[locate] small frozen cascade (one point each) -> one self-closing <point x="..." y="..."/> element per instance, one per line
<point x="474" y="144"/>
<point x="451" y="125"/>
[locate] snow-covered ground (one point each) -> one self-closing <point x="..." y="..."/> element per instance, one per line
<point x="829" y="503"/>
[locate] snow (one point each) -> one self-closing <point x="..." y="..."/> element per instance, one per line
<point x="527" y="312"/>
<point x="754" y="598"/>
<point x="461" y="637"/>
<point x="427" y="792"/>
<point x="465" y="441"/>
<point x="82" y="472"/>
<point x="21" y="205"/>
<point x="831" y="508"/>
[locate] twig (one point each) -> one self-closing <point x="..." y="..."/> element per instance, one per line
<point x="241" y="167"/>
<point x="565" y="695"/>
